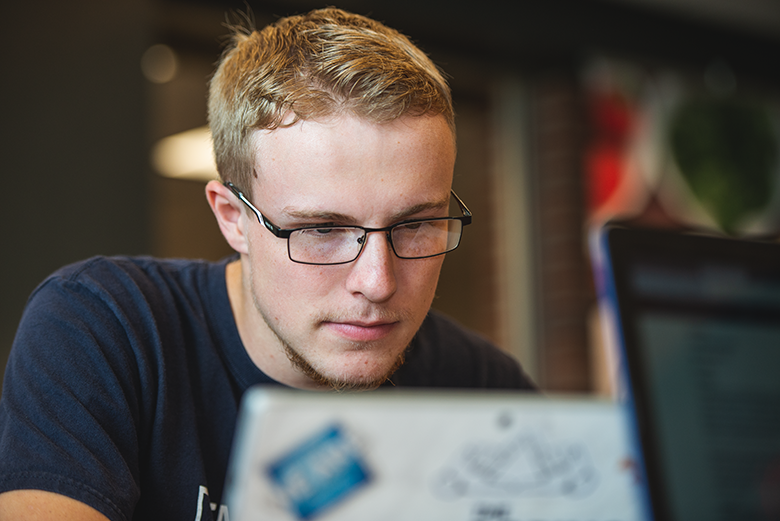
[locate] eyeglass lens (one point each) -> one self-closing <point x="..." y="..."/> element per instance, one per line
<point x="335" y="245"/>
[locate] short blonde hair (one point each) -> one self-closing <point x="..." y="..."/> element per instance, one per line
<point x="321" y="64"/>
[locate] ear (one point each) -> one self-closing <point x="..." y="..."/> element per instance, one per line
<point x="228" y="210"/>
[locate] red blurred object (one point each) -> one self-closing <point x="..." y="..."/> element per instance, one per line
<point x="604" y="170"/>
<point x="611" y="115"/>
<point x="611" y="123"/>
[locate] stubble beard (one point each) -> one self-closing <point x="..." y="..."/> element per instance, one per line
<point x="303" y="365"/>
<point x="363" y="384"/>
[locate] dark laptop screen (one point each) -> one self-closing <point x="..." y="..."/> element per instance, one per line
<point x="700" y="322"/>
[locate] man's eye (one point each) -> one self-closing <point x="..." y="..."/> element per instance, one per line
<point x="317" y="227"/>
<point x="325" y="230"/>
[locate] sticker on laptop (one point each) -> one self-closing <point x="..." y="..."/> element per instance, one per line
<point x="320" y="472"/>
<point x="528" y="464"/>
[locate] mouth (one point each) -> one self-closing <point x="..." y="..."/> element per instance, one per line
<point x="358" y="331"/>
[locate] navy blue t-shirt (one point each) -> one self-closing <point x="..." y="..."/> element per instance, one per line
<point x="125" y="377"/>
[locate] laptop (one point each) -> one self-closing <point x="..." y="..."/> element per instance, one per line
<point x="414" y="455"/>
<point x="696" y="324"/>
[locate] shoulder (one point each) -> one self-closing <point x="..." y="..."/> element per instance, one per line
<point x="108" y="302"/>
<point x="106" y="307"/>
<point x="140" y="281"/>
<point x="113" y="342"/>
<point x="101" y="271"/>
<point x="446" y="354"/>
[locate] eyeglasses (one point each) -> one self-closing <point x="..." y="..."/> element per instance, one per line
<point x="326" y="244"/>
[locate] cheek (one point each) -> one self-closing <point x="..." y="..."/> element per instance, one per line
<point x="422" y="276"/>
<point x="272" y="281"/>
<point x="279" y="282"/>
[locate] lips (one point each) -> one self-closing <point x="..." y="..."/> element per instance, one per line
<point x="361" y="331"/>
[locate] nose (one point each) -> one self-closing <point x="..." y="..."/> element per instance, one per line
<point x="373" y="273"/>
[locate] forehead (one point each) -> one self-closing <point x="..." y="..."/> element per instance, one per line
<point x="347" y="159"/>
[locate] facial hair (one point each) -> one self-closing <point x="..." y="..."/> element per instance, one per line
<point x="304" y="366"/>
<point x="300" y="363"/>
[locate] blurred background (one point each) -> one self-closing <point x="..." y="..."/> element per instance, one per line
<point x="569" y="113"/>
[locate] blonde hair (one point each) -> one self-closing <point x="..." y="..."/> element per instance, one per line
<point x="321" y="64"/>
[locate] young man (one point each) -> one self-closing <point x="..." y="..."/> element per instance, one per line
<point x="334" y="138"/>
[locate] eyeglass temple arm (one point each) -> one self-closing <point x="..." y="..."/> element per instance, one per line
<point x="260" y="217"/>
<point x="463" y="208"/>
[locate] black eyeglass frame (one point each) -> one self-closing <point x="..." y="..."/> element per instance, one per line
<point x="285" y="233"/>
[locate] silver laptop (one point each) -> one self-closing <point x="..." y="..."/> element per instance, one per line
<point x="419" y="455"/>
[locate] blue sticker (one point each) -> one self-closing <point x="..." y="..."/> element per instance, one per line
<point x="319" y="473"/>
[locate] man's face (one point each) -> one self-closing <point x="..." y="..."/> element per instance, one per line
<point x="348" y="323"/>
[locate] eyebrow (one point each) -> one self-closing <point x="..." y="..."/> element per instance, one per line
<point x="339" y="217"/>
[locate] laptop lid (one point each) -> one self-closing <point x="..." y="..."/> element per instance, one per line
<point x="697" y="319"/>
<point x="415" y="455"/>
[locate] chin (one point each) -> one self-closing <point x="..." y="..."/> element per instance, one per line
<point x="355" y="378"/>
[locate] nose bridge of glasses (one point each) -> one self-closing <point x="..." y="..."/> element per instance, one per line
<point x="385" y="251"/>
<point x="363" y="239"/>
